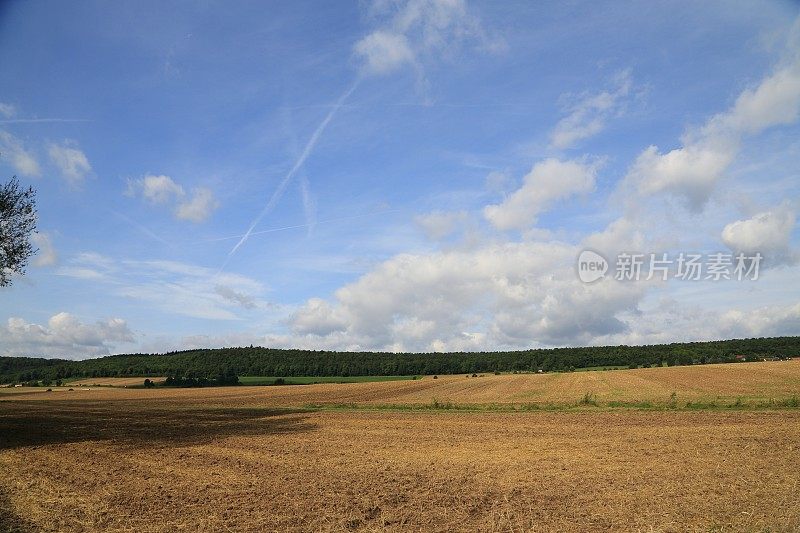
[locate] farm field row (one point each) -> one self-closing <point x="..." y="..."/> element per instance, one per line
<point x="152" y="465"/>
<point x="746" y="383"/>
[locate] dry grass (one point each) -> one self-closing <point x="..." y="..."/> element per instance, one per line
<point x="748" y="382"/>
<point x="231" y="459"/>
<point x="113" y="382"/>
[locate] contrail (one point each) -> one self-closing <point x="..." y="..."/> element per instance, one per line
<point x="309" y="205"/>
<point x="37" y="120"/>
<point x="307" y="225"/>
<point x="140" y="227"/>
<point x="299" y="163"/>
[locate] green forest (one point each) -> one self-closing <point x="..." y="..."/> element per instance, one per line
<point x="258" y="361"/>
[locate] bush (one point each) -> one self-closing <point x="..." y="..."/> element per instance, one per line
<point x="673" y="400"/>
<point x="588" y="399"/>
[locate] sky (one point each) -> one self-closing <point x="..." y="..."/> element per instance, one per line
<point x="416" y="175"/>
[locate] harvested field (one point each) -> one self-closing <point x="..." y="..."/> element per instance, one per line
<point x="113" y="382"/>
<point x="150" y="466"/>
<point x="746" y="382"/>
<point x="245" y="459"/>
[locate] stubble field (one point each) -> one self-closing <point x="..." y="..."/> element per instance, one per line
<point x="258" y="458"/>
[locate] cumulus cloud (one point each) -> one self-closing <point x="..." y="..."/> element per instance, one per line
<point x="64" y="336"/>
<point x="199" y="207"/>
<point x="768" y="232"/>
<point x="693" y="170"/>
<point x="766" y="321"/>
<point x="317" y="317"/>
<point x="384" y="52"/>
<point x="71" y="162"/>
<point x="589" y="113"/>
<point x="775" y="101"/>
<point x="672" y="321"/>
<point x="439" y="224"/>
<point x="510" y="294"/>
<point x="155" y="189"/>
<point x="163" y="190"/>
<point x="21" y="159"/>
<point x="547" y="182"/>
<point x="46" y="255"/>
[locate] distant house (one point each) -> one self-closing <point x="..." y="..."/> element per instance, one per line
<point x="740" y="357"/>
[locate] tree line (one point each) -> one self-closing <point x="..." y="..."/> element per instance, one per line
<point x="259" y="361"/>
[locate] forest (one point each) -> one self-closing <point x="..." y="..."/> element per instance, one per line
<point x="259" y="361"/>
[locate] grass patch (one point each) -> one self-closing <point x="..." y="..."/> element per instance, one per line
<point x="310" y="380"/>
<point x="588" y="400"/>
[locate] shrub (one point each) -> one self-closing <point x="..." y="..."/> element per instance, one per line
<point x="673" y="400"/>
<point x="588" y="399"/>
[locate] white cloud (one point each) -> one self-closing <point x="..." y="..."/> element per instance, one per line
<point x="439" y="224"/>
<point x="7" y="110"/>
<point x="163" y="190"/>
<point x="384" y="52"/>
<point x="159" y="189"/>
<point x="170" y="286"/>
<point x="693" y="170"/>
<point x="21" y="159"/>
<point x="672" y="321"/>
<point x="589" y="113"/>
<point x="316" y="317"/>
<point x="70" y="161"/>
<point x="511" y="294"/>
<point x="416" y="30"/>
<point x="63" y="336"/>
<point x="775" y="101"/>
<point x="766" y="321"/>
<point x="768" y="232"/>
<point x="199" y="207"/>
<point x="547" y="182"/>
<point x="47" y="255"/>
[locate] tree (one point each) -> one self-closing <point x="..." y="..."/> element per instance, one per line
<point x="17" y="224"/>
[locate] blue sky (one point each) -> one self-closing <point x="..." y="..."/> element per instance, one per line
<point x="415" y="175"/>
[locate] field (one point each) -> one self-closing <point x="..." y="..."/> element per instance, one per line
<point x="395" y="456"/>
<point x="111" y="382"/>
<point x="308" y="380"/>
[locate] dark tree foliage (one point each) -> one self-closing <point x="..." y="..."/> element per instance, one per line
<point x="17" y="224"/>
<point x="223" y="378"/>
<point x="223" y="366"/>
